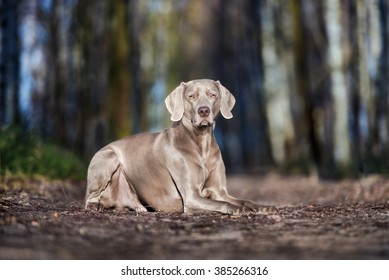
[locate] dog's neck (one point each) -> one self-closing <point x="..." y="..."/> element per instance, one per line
<point x="202" y="137"/>
<point x="197" y="131"/>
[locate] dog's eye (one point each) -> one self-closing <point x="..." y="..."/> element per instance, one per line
<point x="192" y="96"/>
<point x="213" y="94"/>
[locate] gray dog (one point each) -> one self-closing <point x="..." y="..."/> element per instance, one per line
<point x="177" y="170"/>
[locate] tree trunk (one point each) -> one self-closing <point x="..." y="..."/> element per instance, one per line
<point x="275" y="87"/>
<point x="382" y="77"/>
<point x="308" y="146"/>
<point x="335" y="55"/>
<point x="118" y="102"/>
<point x="9" y="63"/>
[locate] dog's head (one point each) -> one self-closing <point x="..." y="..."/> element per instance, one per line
<point x="200" y="101"/>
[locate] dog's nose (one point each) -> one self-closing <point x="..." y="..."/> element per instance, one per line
<point x="203" y="111"/>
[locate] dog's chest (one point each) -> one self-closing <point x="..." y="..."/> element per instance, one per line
<point x="208" y="157"/>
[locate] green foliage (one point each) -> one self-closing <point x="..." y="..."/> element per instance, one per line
<point x="23" y="153"/>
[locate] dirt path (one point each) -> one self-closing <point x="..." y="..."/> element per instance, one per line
<point x="303" y="219"/>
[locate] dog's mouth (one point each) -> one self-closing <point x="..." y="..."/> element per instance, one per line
<point x="202" y="123"/>
<point x="205" y="123"/>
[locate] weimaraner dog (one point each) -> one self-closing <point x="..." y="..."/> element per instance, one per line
<point x="177" y="170"/>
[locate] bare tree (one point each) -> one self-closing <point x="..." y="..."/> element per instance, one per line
<point x="9" y="62"/>
<point x="341" y="152"/>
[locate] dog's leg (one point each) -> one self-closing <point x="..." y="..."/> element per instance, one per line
<point x="240" y="202"/>
<point x="196" y="203"/>
<point x="190" y="188"/>
<point x="215" y="189"/>
<point x="108" y="185"/>
<point x="121" y="193"/>
<point x="220" y="193"/>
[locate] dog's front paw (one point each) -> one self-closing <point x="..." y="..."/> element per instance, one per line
<point x="241" y="211"/>
<point x="253" y="206"/>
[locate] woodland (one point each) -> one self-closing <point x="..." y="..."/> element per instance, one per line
<point x="310" y="77"/>
<point x="309" y="140"/>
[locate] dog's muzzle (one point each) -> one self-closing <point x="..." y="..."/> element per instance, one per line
<point x="204" y="113"/>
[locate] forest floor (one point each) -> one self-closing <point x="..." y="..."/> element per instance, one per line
<point x="302" y="218"/>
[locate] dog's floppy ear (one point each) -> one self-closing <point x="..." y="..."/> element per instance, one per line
<point x="175" y="103"/>
<point x="227" y="101"/>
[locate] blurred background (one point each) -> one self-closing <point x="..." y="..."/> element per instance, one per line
<point x="310" y="78"/>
